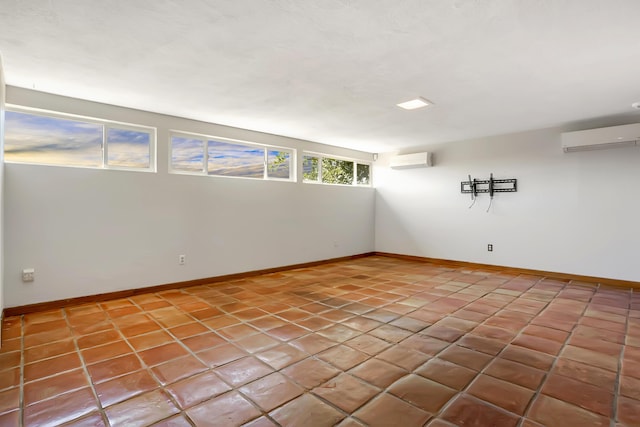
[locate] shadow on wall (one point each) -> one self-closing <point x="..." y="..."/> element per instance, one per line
<point x="394" y="229"/>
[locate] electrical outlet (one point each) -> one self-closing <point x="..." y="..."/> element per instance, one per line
<point x="182" y="259"/>
<point x="490" y="247"/>
<point x="28" y="275"/>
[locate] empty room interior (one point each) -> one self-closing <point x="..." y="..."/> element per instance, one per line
<point x="298" y="213"/>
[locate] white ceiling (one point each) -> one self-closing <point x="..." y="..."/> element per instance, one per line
<point x="332" y="71"/>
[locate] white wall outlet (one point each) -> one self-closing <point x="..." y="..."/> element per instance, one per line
<point x="182" y="259"/>
<point x="28" y="274"/>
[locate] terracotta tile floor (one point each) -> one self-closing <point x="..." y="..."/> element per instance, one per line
<point x="374" y="341"/>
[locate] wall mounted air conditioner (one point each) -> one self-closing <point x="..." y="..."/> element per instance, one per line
<point x="596" y="139"/>
<point x="415" y="160"/>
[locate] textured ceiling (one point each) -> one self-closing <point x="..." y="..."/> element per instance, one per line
<point x="332" y="71"/>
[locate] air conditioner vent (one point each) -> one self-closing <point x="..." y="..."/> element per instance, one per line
<point x="415" y="160"/>
<point x="601" y="138"/>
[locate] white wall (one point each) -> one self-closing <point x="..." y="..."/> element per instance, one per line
<point x="88" y="231"/>
<point x="573" y="213"/>
<point x="2" y="99"/>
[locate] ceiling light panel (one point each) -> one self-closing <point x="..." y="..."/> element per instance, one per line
<point x="415" y="104"/>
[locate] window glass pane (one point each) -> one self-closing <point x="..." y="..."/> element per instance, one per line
<point x="278" y="164"/>
<point x="362" y="174"/>
<point x="128" y="148"/>
<point x="337" y="171"/>
<point x="31" y="138"/>
<point x="230" y="159"/>
<point x="187" y="154"/>
<point x="310" y="168"/>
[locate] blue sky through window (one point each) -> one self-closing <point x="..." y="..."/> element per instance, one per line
<point x="128" y="148"/>
<point x="35" y="138"/>
<point x="230" y="159"/>
<point x="187" y="154"/>
<point x="31" y="138"/>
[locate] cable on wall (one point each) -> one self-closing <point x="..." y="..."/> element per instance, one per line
<point x="472" y="183"/>
<point x="491" y="191"/>
<point x="491" y="186"/>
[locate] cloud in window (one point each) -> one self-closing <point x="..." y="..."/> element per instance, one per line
<point x="235" y="159"/>
<point x="32" y="138"/>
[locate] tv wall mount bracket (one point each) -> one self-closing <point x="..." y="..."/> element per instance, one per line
<point x="491" y="185"/>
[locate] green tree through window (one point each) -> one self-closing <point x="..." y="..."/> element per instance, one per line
<point x="363" y="174"/>
<point x="336" y="171"/>
<point x="328" y="170"/>
<point x="310" y="169"/>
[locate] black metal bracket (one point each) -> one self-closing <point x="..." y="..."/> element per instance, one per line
<point x="476" y="186"/>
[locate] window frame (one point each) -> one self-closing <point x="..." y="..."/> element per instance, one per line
<point x="356" y="162"/>
<point x="204" y="170"/>
<point x="106" y="125"/>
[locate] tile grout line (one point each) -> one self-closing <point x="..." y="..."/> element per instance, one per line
<point x="569" y="336"/>
<point x="242" y="321"/>
<point x="103" y="415"/>
<point x="616" y="387"/>
<point x="370" y="357"/>
<point x="148" y="368"/>
<point x="340" y="370"/>
<point x="212" y="369"/>
<point x="522" y="417"/>
<point x="538" y="391"/>
<point x="133" y="351"/>
<point x="102" y="410"/>
<point x="166" y="329"/>
<point x="232" y="342"/>
<point x="434" y="356"/>
<point x="378" y="288"/>
<point x="464" y="390"/>
<point x="194" y="354"/>
<point x="451" y="343"/>
<point x="22" y="363"/>
<point x="115" y="327"/>
<point x="502" y="308"/>
<point x="190" y="352"/>
<point x="314" y="356"/>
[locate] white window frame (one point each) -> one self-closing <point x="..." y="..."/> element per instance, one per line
<point x="204" y="171"/>
<point x="355" y="161"/>
<point x="106" y="124"/>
